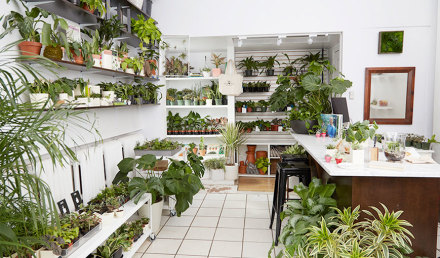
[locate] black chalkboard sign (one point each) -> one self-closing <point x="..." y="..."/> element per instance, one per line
<point x="77" y="200"/>
<point x="62" y="206"/>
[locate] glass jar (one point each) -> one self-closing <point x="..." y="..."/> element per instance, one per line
<point x="394" y="146"/>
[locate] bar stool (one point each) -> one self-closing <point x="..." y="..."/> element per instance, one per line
<point x="285" y="170"/>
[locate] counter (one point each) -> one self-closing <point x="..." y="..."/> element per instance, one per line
<point x="415" y="190"/>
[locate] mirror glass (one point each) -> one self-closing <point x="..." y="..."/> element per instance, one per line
<point x="389" y="95"/>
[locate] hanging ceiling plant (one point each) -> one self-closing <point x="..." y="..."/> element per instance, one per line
<point x="146" y="30"/>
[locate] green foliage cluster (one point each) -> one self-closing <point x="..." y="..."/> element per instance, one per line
<point x="157" y="144"/>
<point x="146" y="30"/>
<point x="216" y="163"/>
<point x="295" y="149"/>
<point x="263" y="163"/>
<point x="359" y="132"/>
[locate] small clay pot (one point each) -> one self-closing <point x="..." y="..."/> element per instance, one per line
<point x="30" y="48"/>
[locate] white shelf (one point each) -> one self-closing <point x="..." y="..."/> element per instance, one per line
<point x="135" y="247"/>
<point x="194" y="136"/>
<point x="197" y="107"/>
<point x="380" y="107"/>
<point x="190" y="78"/>
<point x="88" y="247"/>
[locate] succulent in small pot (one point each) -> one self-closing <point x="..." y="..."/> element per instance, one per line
<point x="206" y="72"/>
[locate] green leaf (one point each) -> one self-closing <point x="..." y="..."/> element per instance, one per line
<point x="45" y="34"/>
<point x="311" y="82"/>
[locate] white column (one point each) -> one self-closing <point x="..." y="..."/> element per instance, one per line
<point x="436" y="111"/>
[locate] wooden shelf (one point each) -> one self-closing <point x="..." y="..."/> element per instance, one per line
<point x="99" y="70"/>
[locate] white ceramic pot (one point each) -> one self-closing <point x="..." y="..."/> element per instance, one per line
<point x="110" y="95"/>
<point x="63" y="96"/>
<point x="331" y="152"/>
<point x="81" y="102"/>
<point x="257" y="128"/>
<point x="40" y="98"/>
<point x="243" y="110"/>
<point x="156" y="216"/>
<point x="280" y="128"/>
<point x="94" y="102"/>
<point x="357" y="157"/>
<point x="206" y="74"/>
<point x="217" y="174"/>
<point x="207" y="174"/>
<point x="96" y="60"/>
<point x="94" y="89"/>
<point x="42" y="253"/>
<point x="105" y="102"/>
<point x="231" y="172"/>
<point x="107" y="218"/>
<point x="119" y="213"/>
<point x="107" y="59"/>
<point x="209" y="102"/>
<point x="129" y="70"/>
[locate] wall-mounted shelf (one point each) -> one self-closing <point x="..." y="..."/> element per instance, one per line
<point x="198" y="107"/>
<point x="377" y="107"/>
<point x="190" y="78"/>
<point x="261" y="114"/>
<point x="99" y="70"/>
<point x="115" y="106"/>
<point x="67" y="10"/>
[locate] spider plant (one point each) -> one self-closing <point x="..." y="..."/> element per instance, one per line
<point x="26" y="207"/>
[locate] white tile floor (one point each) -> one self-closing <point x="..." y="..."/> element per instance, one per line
<point x="216" y="225"/>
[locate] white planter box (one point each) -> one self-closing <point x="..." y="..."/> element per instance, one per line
<point x="94" y="102"/>
<point x="357" y="157"/>
<point x="40" y="98"/>
<point x="206" y="74"/>
<point x="109" y="95"/>
<point x="231" y="172"/>
<point x="217" y="174"/>
<point x="209" y="102"/>
<point x="94" y="89"/>
<point x="129" y="70"/>
<point x="107" y="59"/>
<point x="105" y="102"/>
<point x="81" y="102"/>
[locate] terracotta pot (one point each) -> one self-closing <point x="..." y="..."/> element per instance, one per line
<point x="251" y="148"/>
<point x="77" y="59"/>
<point x="53" y="52"/>
<point x="249" y="109"/>
<point x="249" y="130"/>
<point x="261" y="171"/>
<point x="87" y="8"/>
<point x="30" y="48"/>
<point x="239" y="109"/>
<point x="202" y="152"/>
<point x="216" y="72"/>
<point x="250" y="157"/>
<point x="242" y="168"/>
<point x="274" y="128"/>
<point x="260" y="154"/>
<point x="195" y="150"/>
<point x="153" y="71"/>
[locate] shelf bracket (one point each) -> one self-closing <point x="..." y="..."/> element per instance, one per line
<point x="83" y="25"/>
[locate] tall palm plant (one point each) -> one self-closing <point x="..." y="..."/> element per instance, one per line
<point x="232" y="137"/>
<point x="26" y="134"/>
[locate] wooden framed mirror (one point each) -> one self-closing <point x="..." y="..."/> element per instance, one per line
<point x="389" y="95"/>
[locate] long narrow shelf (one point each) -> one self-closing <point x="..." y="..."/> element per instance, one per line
<point x="116" y="106"/>
<point x="99" y="70"/>
<point x="197" y="107"/>
<point x="193" y="136"/>
<point x="88" y="247"/>
<point x="190" y="78"/>
<point x="135" y="247"/>
<point x="261" y="114"/>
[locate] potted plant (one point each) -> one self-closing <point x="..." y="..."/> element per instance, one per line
<point x="29" y="27"/>
<point x="216" y="168"/>
<point x="108" y="90"/>
<point x="238" y="106"/>
<point x="232" y="137"/>
<point x="53" y="39"/>
<point x="92" y="5"/>
<point x="292" y="152"/>
<point x="262" y="164"/>
<point x="39" y="93"/>
<point x="275" y="124"/>
<point x="207" y="92"/>
<point x="146" y="30"/>
<point x="427" y="145"/>
<point x="206" y="72"/>
<point x="179" y="99"/>
<point x="158" y="147"/>
<point x="330" y="150"/>
<point x="357" y="134"/>
<point x="217" y="95"/>
<point x="250" y="65"/>
<point x="112" y="248"/>
<point x="93" y="49"/>
<point x="269" y="64"/>
<point x="263" y="104"/>
<point x="202" y="148"/>
<point x="250" y="106"/>
<point x="217" y="60"/>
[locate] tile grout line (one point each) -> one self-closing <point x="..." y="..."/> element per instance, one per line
<point x="218" y="222"/>
<point x="244" y="225"/>
<point x="183" y="239"/>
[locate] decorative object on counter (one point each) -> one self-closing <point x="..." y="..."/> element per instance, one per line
<point x="330" y="150"/>
<point x="250" y="65"/>
<point x="328" y="158"/>
<point x="331" y="125"/>
<point x="217" y="60"/>
<point x="232" y="138"/>
<point x="394" y="146"/>
<point x="262" y="164"/>
<point x="338" y="157"/>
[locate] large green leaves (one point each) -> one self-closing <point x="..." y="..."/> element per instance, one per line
<point x="139" y="186"/>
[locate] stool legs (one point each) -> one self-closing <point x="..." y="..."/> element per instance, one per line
<point x="280" y="203"/>
<point x="274" y="201"/>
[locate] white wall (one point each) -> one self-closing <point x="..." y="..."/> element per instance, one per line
<point x="359" y="22"/>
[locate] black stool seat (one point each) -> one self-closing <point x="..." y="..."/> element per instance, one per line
<point x="286" y="169"/>
<point x="293" y="157"/>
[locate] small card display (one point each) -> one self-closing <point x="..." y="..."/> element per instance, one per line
<point x="332" y="125"/>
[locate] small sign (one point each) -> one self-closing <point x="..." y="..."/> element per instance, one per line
<point x="77" y="200"/>
<point x="62" y="206"/>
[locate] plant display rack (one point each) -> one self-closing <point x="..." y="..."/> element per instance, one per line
<point x="197" y="107"/>
<point x="100" y="237"/>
